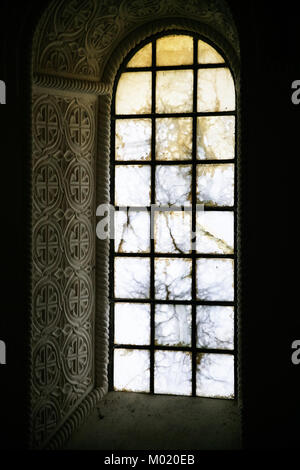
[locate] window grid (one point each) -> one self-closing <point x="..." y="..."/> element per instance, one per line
<point x="193" y="255"/>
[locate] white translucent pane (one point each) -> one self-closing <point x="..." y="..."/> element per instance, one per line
<point x="173" y="184"/>
<point x="132" y="323"/>
<point x="142" y="58"/>
<point x="173" y="325"/>
<point x="132" y="185"/>
<point x="173" y="278"/>
<point x="132" y="231"/>
<point x="174" y="91"/>
<point x="173" y="138"/>
<point x="172" y="231"/>
<point x="215" y="232"/>
<point x="132" y="370"/>
<point x="215" y="137"/>
<point x="174" y="50"/>
<point x="215" y="279"/>
<point x="133" y="95"/>
<point x="215" y="184"/>
<point x="215" y="327"/>
<point x="173" y="372"/>
<point x="132" y="278"/>
<point x="215" y="90"/>
<point x="207" y="54"/>
<point x="133" y="139"/>
<point x="215" y="375"/>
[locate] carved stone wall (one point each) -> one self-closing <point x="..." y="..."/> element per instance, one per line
<point x="63" y="257"/>
<point x="77" y="37"/>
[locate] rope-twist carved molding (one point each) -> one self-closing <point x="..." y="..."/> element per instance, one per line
<point x="71" y="84"/>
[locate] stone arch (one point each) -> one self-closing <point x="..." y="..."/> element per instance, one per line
<point x="77" y="50"/>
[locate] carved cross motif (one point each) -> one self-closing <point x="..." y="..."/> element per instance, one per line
<point x="79" y="298"/>
<point x="77" y="355"/>
<point x="45" y="422"/>
<point x="79" y="126"/>
<point x="46" y="185"/>
<point x="46" y="305"/>
<point x="79" y="241"/>
<point x="80" y="184"/>
<point x="46" y="124"/>
<point x="46" y="365"/>
<point x="47" y="245"/>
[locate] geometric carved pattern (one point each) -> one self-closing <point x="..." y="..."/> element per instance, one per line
<point x="47" y="125"/>
<point x="47" y="304"/>
<point x="79" y="187"/>
<point x="77" y="356"/>
<point x="80" y="128"/>
<point x="78" y="241"/>
<point x="47" y="183"/>
<point x="102" y="33"/>
<point x="79" y="298"/>
<point x="63" y="255"/>
<point x="45" y="421"/>
<point x="47" y="244"/>
<point x="46" y="370"/>
<point x="90" y="30"/>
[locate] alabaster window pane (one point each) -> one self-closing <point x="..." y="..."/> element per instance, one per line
<point x="132" y="323"/>
<point x="173" y="138"/>
<point x="173" y="278"/>
<point x="173" y="372"/>
<point x="207" y="54"/>
<point x="215" y="184"/>
<point x="173" y="325"/>
<point x="215" y="90"/>
<point x="215" y="279"/>
<point x="215" y="375"/>
<point x="173" y="184"/>
<point x="131" y="370"/>
<point x="172" y="231"/>
<point x="174" y="91"/>
<point x="174" y="50"/>
<point x="215" y="232"/>
<point x="215" y="137"/>
<point x="133" y="139"/>
<point x="133" y="95"/>
<point x="215" y="327"/>
<point x="132" y="278"/>
<point x="132" y="231"/>
<point x="143" y="58"/>
<point x="132" y="185"/>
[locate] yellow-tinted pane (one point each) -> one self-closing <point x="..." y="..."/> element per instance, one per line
<point x="133" y="94"/>
<point x="174" y="91"/>
<point x="143" y="58"/>
<point x="215" y="137"/>
<point x="174" y="50"/>
<point x="215" y="90"/>
<point x="207" y="54"/>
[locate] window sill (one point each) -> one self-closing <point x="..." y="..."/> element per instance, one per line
<point x="135" y="421"/>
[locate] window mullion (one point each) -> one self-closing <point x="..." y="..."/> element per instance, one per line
<point x="194" y="204"/>
<point x="152" y="286"/>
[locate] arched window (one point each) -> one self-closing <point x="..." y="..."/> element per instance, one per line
<point x="161" y="75"/>
<point x="173" y="258"/>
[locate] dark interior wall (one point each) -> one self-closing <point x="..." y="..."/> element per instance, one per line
<point x="269" y="152"/>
